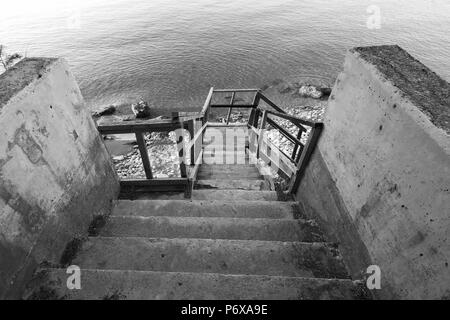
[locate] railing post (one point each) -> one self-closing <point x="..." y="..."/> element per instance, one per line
<point x="144" y="154"/>
<point x="180" y="145"/>
<point x="305" y="156"/>
<point x="254" y="114"/>
<point x="206" y="106"/>
<point x="256" y="118"/>
<point x="261" y="132"/>
<point x="192" y="134"/>
<point x="231" y="106"/>
<point x="256" y="99"/>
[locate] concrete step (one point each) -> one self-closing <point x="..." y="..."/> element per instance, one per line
<point x="148" y="285"/>
<point x="219" y="157"/>
<point x="293" y="259"/>
<point x="234" y="195"/>
<point x="212" y="228"/>
<point x="228" y="168"/>
<point x="202" y="175"/>
<point x="215" y="208"/>
<point x="256" y="185"/>
<point x="227" y="171"/>
<point x="211" y="145"/>
<point x="227" y="153"/>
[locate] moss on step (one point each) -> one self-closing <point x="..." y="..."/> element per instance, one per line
<point x="71" y="251"/>
<point x="96" y="225"/>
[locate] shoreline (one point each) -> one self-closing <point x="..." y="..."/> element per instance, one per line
<point x="162" y="148"/>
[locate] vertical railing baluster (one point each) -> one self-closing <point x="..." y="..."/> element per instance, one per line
<point x="261" y="132"/>
<point x="192" y="134"/>
<point x="180" y="144"/>
<point x="144" y="154"/>
<point x="254" y="114"/>
<point x="231" y="106"/>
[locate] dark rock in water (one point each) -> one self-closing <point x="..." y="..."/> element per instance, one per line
<point x="141" y="109"/>
<point x="105" y="111"/>
<point x="325" y="91"/>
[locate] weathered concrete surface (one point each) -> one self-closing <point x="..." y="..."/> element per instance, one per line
<point x="379" y="180"/>
<point x="213" y="228"/>
<point x="229" y="172"/>
<point x="257" y="185"/>
<point x="154" y="285"/>
<point x="234" y="195"/>
<point x="293" y="259"/>
<point x="216" y="208"/>
<point x="55" y="173"/>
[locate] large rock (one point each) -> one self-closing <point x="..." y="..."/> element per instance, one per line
<point x="141" y="109"/>
<point x="310" y="91"/>
<point x="326" y="91"/>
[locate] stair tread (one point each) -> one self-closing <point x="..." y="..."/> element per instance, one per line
<point x="228" y="167"/>
<point x="231" y="176"/>
<point x="208" y="208"/>
<point x="212" y="228"/>
<point x="235" y="184"/>
<point x="150" y="285"/>
<point x="298" y="259"/>
<point x="232" y="195"/>
<point x="228" y="171"/>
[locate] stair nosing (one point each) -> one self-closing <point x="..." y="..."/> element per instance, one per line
<point x="137" y="217"/>
<point x="208" y="274"/>
<point x="310" y="244"/>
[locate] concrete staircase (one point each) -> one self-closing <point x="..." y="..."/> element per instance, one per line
<point x="233" y="240"/>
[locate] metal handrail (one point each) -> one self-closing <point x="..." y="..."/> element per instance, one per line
<point x="300" y="157"/>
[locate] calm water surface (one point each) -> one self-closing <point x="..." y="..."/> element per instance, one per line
<point x="170" y="52"/>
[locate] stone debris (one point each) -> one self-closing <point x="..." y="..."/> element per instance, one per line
<point x="304" y="89"/>
<point x="141" y="109"/>
<point x="313" y="113"/>
<point x="310" y="91"/>
<point x="163" y="154"/>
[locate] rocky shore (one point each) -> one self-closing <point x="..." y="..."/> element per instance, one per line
<point x="163" y="155"/>
<point x="314" y="113"/>
<point x="162" y="148"/>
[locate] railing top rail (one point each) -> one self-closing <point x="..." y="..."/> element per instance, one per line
<point x="207" y="101"/>
<point x="235" y="106"/>
<point x="149" y="125"/>
<point x="236" y="90"/>
<point x="270" y="103"/>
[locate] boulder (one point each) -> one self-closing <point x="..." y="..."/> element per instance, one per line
<point x="325" y="91"/>
<point x="104" y="111"/>
<point x="310" y="92"/>
<point x="141" y="109"/>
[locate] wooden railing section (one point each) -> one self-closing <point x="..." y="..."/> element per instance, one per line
<point x="289" y="166"/>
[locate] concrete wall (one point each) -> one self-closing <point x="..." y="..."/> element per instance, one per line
<point x="55" y="172"/>
<point x="379" y="180"/>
